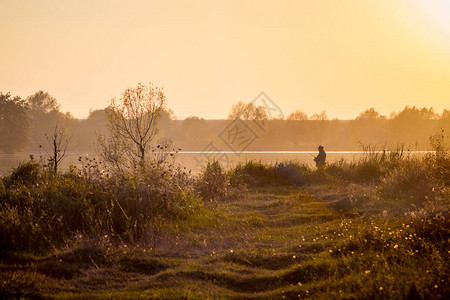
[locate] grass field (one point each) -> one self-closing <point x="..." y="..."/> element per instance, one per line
<point x="316" y="241"/>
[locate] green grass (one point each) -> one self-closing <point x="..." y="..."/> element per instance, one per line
<point x="275" y="242"/>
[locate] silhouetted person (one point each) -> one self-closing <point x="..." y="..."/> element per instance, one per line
<point x="320" y="159"/>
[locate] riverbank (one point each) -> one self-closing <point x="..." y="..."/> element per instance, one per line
<point x="374" y="229"/>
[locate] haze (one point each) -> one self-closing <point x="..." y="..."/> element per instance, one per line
<point x="338" y="56"/>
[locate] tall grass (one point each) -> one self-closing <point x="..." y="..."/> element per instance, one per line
<point x="258" y="174"/>
<point x="213" y="183"/>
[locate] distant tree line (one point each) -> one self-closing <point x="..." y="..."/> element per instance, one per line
<point x="22" y="120"/>
<point x="24" y="124"/>
<point x="411" y="127"/>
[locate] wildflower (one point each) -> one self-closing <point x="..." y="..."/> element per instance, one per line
<point x="381" y="288"/>
<point x="231" y="251"/>
<point x="293" y="257"/>
<point x="395" y="246"/>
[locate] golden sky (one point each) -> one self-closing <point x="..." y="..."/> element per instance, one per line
<point x="338" y="56"/>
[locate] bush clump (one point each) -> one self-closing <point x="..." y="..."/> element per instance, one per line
<point x="412" y="180"/>
<point x="27" y="174"/>
<point x="367" y="172"/>
<point x="40" y="211"/>
<point x="213" y="182"/>
<point x="293" y="173"/>
<point x="253" y="174"/>
<point x="258" y="174"/>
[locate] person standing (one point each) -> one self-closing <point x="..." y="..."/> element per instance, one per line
<point x="320" y="159"/>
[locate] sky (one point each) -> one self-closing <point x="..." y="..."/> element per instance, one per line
<point x="339" y="56"/>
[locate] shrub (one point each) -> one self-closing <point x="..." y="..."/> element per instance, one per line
<point x="254" y="174"/>
<point x="412" y="180"/>
<point x="367" y="172"/>
<point x="28" y="173"/>
<point x="23" y="230"/>
<point x="292" y="173"/>
<point x="127" y="206"/>
<point x="213" y="182"/>
<point x="441" y="157"/>
<point x="337" y="170"/>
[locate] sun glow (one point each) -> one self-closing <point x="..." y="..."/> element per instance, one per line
<point x="433" y="19"/>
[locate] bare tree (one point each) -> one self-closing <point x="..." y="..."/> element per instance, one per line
<point x="133" y="123"/>
<point x="57" y="147"/>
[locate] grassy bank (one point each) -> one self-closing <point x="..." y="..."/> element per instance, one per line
<point x="377" y="228"/>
